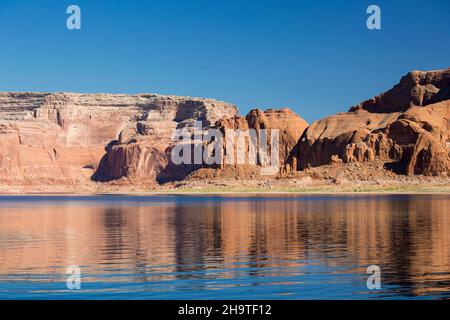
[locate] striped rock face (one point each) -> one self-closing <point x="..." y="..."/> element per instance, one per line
<point x="67" y="138"/>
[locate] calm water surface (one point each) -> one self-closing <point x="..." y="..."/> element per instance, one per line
<point x="225" y="247"/>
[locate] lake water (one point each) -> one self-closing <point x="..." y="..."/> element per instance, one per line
<point x="225" y="247"/>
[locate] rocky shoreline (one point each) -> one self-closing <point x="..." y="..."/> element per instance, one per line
<point x="325" y="179"/>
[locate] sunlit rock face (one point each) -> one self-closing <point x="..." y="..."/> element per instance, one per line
<point x="289" y="125"/>
<point x="70" y="138"/>
<point x="417" y="88"/>
<point x="143" y="148"/>
<point x="407" y="127"/>
<point x="60" y="139"/>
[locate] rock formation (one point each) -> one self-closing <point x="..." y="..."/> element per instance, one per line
<point x="407" y="127"/>
<point x="57" y="139"/>
<point x="61" y="138"/>
<point x="289" y="124"/>
<point x="417" y="88"/>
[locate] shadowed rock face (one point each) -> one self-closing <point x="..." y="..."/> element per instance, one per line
<point x="62" y="137"/>
<point x="408" y="127"/>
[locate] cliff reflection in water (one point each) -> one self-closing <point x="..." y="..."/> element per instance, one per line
<point x="277" y="242"/>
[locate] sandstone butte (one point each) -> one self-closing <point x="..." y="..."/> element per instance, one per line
<point x="407" y="127"/>
<point x="49" y="141"/>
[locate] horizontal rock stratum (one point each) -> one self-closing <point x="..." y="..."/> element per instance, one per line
<point x="60" y="139"/>
<point x="72" y="138"/>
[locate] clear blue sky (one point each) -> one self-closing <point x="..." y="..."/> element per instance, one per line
<point x="316" y="57"/>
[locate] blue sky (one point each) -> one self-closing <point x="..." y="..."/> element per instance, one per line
<point x="316" y="57"/>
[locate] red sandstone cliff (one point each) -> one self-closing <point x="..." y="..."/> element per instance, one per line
<point x="407" y="127"/>
<point x="61" y="138"/>
<point x="289" y="124"/>
<point x="79" y="139"/>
